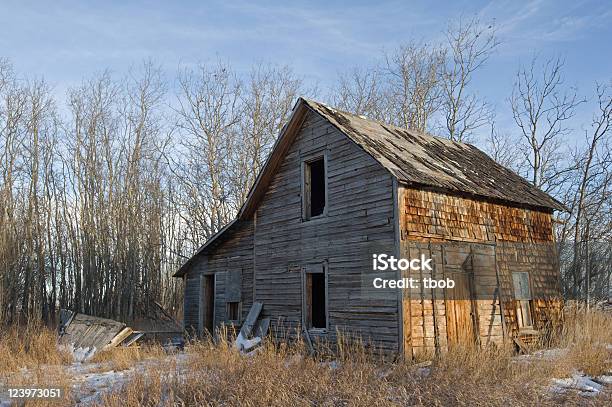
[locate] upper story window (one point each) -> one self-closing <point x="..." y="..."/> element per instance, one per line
<point x="314" y="188"/>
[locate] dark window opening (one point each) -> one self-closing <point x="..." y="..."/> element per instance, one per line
<point x="318" y="314"/>
<point x="233" y="311"/>
<point x="314" y="188"/>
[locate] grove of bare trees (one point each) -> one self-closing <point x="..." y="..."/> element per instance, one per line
<point x="106" y="191"/>
<point x="100" y="205"/>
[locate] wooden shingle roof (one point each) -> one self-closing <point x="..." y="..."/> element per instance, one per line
<point x="420" y="159"/>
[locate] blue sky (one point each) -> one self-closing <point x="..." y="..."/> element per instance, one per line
<point x="67" y="41"/>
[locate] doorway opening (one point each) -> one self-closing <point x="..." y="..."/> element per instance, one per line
<point x="315" y="298"/>
<point x="207" y="304"/>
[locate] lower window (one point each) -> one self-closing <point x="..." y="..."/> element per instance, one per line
<point x="523" y="313"/>
<point x="522" y="294"/>
<point x="233" y="311"/>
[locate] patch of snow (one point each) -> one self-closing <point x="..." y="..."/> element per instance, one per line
<point x="604" y="379"/>
<point x="79" y="354"/>
<point x="580" y="382"/>
<point x="89" y="388"/>
<point x="333" y="365"/>
<point x="90" y="381"/>
<point x="384" y="372"/>
<point x="3" y="401"/>
<point x="423" y="371"/>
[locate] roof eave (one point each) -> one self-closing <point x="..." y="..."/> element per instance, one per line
<point x="183" y="269"/>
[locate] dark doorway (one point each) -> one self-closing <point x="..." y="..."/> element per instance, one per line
<point x="207" y="304"/>
<point x="316" y="302"/>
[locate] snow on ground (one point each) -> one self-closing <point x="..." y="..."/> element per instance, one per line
<point x="79" y="354"/>
<point x="89" y="388"/>
<point x="544" y="354"/>
<point x="585" y="385"/>
<point x="580" y="382"/>
<point x="91" y="381"/>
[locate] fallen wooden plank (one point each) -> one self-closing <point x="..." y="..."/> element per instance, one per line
<point x="521" y="345"/>
<point x="120" y="337"/>
<point x="85" y="331"/>
<point x="308" y="341"/>
<point x="136" y="335"/>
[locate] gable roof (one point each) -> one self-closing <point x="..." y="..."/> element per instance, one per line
<point x="414" y="158"/>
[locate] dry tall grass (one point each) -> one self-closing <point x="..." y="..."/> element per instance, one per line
<point x="29" y="346"/>
<point x="30" y="357"/>
<point x="122" y="358"/>
<point x="587" y="335"/>
<point x="280" y="374"/>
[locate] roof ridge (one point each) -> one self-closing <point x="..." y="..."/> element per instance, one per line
<point x="385" y="124"/>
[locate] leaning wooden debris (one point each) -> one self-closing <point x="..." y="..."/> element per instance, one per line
<point x="253" y="330"/>
<point x="156" y="324"/>
<point x="92" y="334"/>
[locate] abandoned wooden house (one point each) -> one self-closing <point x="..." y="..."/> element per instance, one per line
<point x="337" y="189"/>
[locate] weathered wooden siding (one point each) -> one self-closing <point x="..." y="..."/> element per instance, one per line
<point x="540" y="260"/>
<point x="235" y="252"/>
<point x="191" y="306"/>
<point x="500" y="239"/>
<point x="359" y="222"/>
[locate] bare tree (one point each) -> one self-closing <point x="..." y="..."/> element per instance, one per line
<point x="92" y="216"/>
<point x="208" y="113"/>
<point x="413" y="88"/>
<point x="541" y="108"/>
<point x="361" y="91"/>
<point x="502" y="148"/>
<point x="265" y="103"/>
<point x="592" y="200"/>
<point x="418" y="81"/>
<point x="470" y="44"/>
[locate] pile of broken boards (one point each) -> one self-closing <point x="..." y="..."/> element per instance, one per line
<point x="85" y="334"/>
<point x="253" y="331"/>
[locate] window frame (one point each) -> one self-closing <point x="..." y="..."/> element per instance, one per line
<point x="306" y="161"/>
<point x="238" y="311"/>
<point x="314" y="268"/>
<point x="523" y="304"/>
